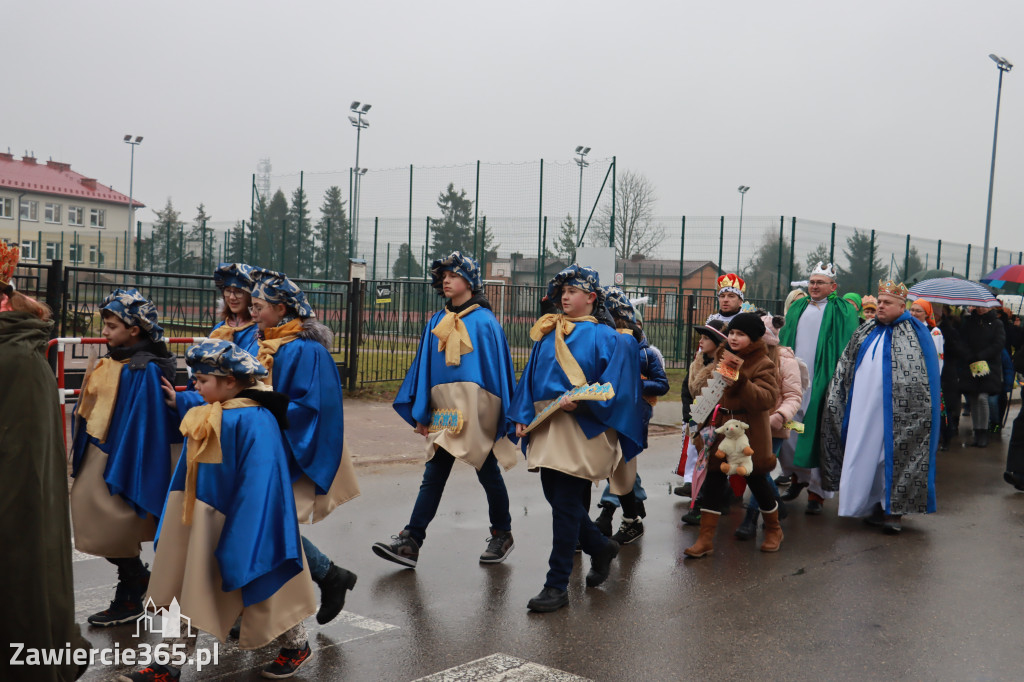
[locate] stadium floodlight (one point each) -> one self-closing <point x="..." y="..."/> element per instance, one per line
<point x="138" y="139"/>
<point x="742" y="189"/>
<point x="1003" y="65"/>
<point x="581" y="152"/>
<point x="358" y="122"/>
<point x="354" y="106"/>
<point x="131" y="202"/>
<point x="353" y="120"/>
<point x="586" y="150"/>
<point x="366" y="107"/>
<point x="127" y="138"/>
<point x="579" y="148"/>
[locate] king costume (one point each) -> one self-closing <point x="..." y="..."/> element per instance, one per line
<point x="880" y="428"/>
<point x="462" y="372"/>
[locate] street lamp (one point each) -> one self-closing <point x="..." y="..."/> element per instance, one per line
<point x="131" y="202"/>
<point x="1003" y="65"/>
<point x="359" y="109"/>
<point x="581" y="152"/>
<point x="742" y="189"/>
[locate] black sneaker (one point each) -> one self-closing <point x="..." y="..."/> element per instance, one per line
<point x="629" y="532"/>
<point x="692" y="517"/>
<point x="119" y="612"/>
<point x="684" y="490"/>
<point x="604" y="519"/>
<point x="794" y="491"/>
<point x="333" y="587"/>
<point x="498" y="547"/>
<point x="155" y="673"/>
<point x="549" y="599"/>
<point x="287" y="663"/>
<point x="404" y="550"/>
<point x="783" y="480"/>
<point x="601" y="564"/>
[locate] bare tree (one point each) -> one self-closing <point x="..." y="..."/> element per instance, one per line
<point x="635" y="231"/>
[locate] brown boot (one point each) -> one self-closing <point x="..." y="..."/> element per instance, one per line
<point x="708" y="524"/>
<point x="772" y="531"/>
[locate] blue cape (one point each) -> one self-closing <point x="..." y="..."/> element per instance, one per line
<point x="604" y="355"/>
<point x="488" y="365"/>
<point x="931" y="359"/>
<point x="306" y="373"/>
<point x="247" y="339"/>
<point x="139" y="440"/>
<point x="259" y="548"/>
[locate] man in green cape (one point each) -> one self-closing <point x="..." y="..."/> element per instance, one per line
<point x="817" y="328"/>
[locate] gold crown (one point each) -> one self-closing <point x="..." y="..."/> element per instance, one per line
<point x="8" y="261"/>
<point x="891" y="288"/>
<point x="732" y="281"/>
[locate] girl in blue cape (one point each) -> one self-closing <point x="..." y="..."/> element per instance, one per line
<point x="576" y="446"/>
<point x="124" y="449"/>
<point x="228" y="544"/>
<point x="456" y="395"/>
<point x="234" y="280"/>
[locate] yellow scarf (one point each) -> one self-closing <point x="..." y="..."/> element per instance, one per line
<point x="453" y="337"/>
<point x="99" y="396"/>
<point x="227" y="333"/>
<point x="201" y="426"/>
<point x="562" y="326"/>
<point x="272" y="340"/>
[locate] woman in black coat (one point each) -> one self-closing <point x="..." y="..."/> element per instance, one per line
<point x="954" y="353"/>
<point x="983" y="337"/>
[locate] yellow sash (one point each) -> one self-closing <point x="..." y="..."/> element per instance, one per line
<point x="201" y="426"/>
<point x="99" y="396"/>
<point x="272" y="340"/>
<point x="562" y="326"/>
<point x="453" y="337"/>
<point x="226" y="332"/>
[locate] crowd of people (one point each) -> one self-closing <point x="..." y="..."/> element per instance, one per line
<point x="850" y="395"/>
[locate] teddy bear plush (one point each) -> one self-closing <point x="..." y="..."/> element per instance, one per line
<point x="735" y="448"/>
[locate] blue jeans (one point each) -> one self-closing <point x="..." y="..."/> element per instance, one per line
<point x="638" y="489"/>
<point x="318" y="562"/>
<point x="435" y="475"/>
<point x="569" y="498"/>
<point x="776" y="446"/>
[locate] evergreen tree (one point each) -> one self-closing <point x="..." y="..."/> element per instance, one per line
<point x="238" y="244"/>
<point x="166" y="240"/>
<point x="299" y="246"/>
<point x="565" y="242"/>
<point x="453" y="231"/>
<point x="864" y="267"/>
<point x="406" y="265"/>
<point x="199" y="243"/>
<point x="332" y="232"/>
<point x="819" y="255"/>
<point x="762" y="274"/>
<point x="271" y="237"/>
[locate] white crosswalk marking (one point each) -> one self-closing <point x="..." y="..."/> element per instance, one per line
<point x="502" y="668"/>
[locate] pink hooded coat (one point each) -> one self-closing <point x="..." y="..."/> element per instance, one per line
<point x="793" y="380"/>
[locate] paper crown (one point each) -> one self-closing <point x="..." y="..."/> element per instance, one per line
<point x="869" y="302"/>
<point x="732" y="282"/>
<point x="8" y="261"/>
<point x="826" y="269"/>
<point x="891" y="288"/>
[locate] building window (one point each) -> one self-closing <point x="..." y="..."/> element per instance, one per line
<point x="92" y="253"/>
<point x="76" y="215"/>
<point x="75" y="253"/>
<point x="6" y="207"/>
<point x="52" y="251"/>
<point x="29" y="251"/>
<point x="51" y="213"/>
<point x="103" y="260"/>
<point x="97" y="217"/>
<point x="29" y="210"/>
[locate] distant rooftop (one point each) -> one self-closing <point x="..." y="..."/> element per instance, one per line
<point x="54" y="177"/>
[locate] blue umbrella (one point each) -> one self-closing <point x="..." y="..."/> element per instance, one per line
<point x="953" y="291"/>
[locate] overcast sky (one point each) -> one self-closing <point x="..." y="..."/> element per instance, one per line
<point x="875" y="113"/>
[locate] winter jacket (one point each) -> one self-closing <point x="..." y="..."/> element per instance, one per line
<point x="752" y="399"/>
<point x="655" y="383"/>
<point x="697" y="377"/>
<point x="984" y="338"/>
<point x="792" y="384"/>
<point x="954" y="351"/>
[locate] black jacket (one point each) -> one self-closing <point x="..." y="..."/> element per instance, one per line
<point x="983" y="337"/>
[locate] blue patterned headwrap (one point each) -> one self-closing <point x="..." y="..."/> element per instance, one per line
<point x="275" y="287"/>
<point x="618" y="304"/>
<point x="234" y="275"/>
<point x="223" y="359"/>
<point x="579" y="276"/>
<point x="463" y="266"/>
<point x="135" y="310"/>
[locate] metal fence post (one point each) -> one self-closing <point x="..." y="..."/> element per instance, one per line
<point x="792" y="247"/>
<point x="778" y="269"/>
<point x="967" y="272"/>
<point x="327" y="250"/>
<point x="611" y="226"/>
<point x="284" y="238"/>
<point x="682" y="251"/>
<point x="374" y="268"/>
<point x="540" y="221"/>
<point x="476" y="213"/>
<point x="906" y="261"/>
<point x="408" y="255"/>
<point x="691" y="305"/>
<point x="832" y="246"/>
<point x="938" y="257"/>
<point x="871" y="261"/>
<point x="995" y="255"/>
<point x="721" y="242"/>
<point x="355" y="300"/>
<point x="544" y="245"/>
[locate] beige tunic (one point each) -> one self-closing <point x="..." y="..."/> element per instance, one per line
<point x="312" y="507"/>
<point x="186" y="567"/>
<point x="480" y="413"/>
<point x="559" y="443"/>
<point x="104" y="524"/>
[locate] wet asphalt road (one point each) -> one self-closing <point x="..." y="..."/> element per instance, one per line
<point x="839" y="601"/>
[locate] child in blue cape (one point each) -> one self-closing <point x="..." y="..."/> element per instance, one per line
<point x="456" y="394"/>
<point x="234" y="280"/>
<point x="228" y="545"/>
<point x="124" y="449"/>
<point x="577" y="445"/>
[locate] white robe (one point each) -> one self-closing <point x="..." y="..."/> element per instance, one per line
<point x="862" y="484"/>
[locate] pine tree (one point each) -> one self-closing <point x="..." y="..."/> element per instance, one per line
<point x="453" y="231"/>
<point x="166" y="241"/>
<point x="819" y="255"/>
<point x="271" y="236"/>
<point x="762" y="274"/>
<point x="864" y="267"/>
<point x="299" y="253"/>
<point x="238" y="243"/>
<point x="406" y="265"/>
<point x="199" y="243"/>
<point x="565" y="242"/>
<point x="332" y="232"/>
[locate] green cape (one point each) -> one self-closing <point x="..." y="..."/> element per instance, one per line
<point x="837" y="326"/>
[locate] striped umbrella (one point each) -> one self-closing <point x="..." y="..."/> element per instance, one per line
<point x="1006" y="277"/>
<point x="953" y="291"/>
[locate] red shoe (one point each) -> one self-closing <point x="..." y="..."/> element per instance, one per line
<point x="288" y="663"/>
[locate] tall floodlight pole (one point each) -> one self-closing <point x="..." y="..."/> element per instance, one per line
<point x="581" y="152"/>
<point x="360" y="122"/>
<point x="742" y="189"/>
<point x="131" y="201"/>
<point x="1002" y="65"/>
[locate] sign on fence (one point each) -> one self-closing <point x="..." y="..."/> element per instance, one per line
<point x="383" y="293"/>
